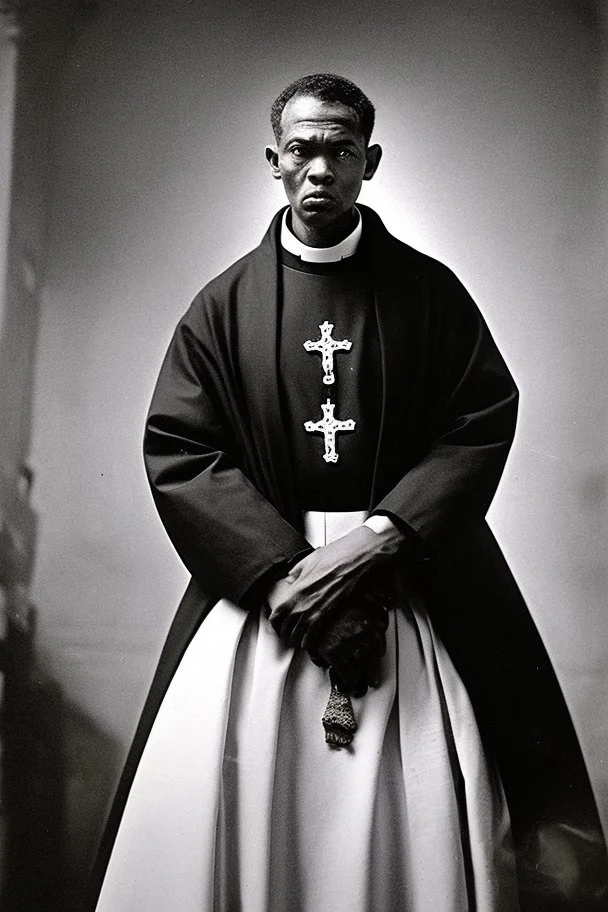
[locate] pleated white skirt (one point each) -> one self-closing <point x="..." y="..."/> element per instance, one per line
<point x="239" y="805"/>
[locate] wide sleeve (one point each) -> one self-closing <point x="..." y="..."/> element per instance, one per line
<point x="474" y="406"/>
<point x="227" y="534"/>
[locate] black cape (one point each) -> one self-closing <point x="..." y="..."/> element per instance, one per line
<point x="220" y="471"/>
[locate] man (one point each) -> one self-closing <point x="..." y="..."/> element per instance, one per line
<point x="328" y="430"/>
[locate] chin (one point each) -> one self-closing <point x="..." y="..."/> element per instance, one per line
<point x="320" y="217"/>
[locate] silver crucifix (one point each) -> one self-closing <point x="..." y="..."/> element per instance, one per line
<point x="329" y="426"/>
<point x="327" y="346"/>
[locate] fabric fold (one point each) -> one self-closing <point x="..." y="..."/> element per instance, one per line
<point x="164" y="852"/>
<point x="239" y="803"/>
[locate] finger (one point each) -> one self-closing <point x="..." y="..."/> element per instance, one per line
<point x="277" y="626"/>
<point x="293" y="629"/>
<point x="371" y="668"/>
<point x="304" y="630"/>
<point x="374" y="606"/>
<point x="348" y="673"/>
<point x="279" y="612"/>
<point x="359" y="668"/>
<point x="294" y="573"/>
<point x="360" y="688"/>
<point x="377" y="644"/>
<point x="363" y="665"/>
<point x="368" y="666"/>
<point x="382" y="584"/>
<point x="312" y="628"/>
<point x="374" y="674"/>
<point x="283" y="626"/>
<point x="371" y="639"/>
<point x="318" y="660"/>
<point x="357" y="687"/>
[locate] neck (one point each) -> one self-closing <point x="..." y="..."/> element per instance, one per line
<point x="324" y="235"/>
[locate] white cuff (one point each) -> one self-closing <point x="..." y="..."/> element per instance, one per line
<point x="380" y="524"/>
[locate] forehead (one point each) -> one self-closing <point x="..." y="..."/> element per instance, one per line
<point x="307" y="115"/>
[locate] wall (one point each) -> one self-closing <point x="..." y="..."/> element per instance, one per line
<point x="490" y="117"/>
<point x="8" y="61"/>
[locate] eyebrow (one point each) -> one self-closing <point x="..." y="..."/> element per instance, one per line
<point x="307" y="141"/>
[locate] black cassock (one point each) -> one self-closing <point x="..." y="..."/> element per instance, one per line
<point x="221" y="471"/>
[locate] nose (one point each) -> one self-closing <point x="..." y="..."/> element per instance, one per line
<point x="320" y="171"/>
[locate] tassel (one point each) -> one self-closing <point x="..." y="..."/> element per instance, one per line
<point x="338" y="719"/>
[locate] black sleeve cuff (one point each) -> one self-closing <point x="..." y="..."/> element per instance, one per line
<point x="255" y="596"/>
<point x="413" y="545"/>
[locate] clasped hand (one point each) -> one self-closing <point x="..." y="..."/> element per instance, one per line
<point x="355" y="640"/>
<point x="333" y="605"/>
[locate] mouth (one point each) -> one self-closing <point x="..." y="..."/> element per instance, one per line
<point x="318" y="200"/>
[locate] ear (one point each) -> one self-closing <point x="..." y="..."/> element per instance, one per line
<point x="373" y="154"/>
<point x="272" y="157"/>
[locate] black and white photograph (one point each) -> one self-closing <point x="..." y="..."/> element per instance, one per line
<point x="303" y="456"/>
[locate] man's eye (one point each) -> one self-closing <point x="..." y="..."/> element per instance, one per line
<point x="344" y="153"/>
<point x="297" y="152"/>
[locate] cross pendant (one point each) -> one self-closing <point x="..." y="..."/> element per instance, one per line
<point x="329" y="426"/>
<point x="327" y="346"/>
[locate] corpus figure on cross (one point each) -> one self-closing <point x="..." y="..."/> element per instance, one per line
<point x="329" y="426"/>
<point x="327" y="346"/>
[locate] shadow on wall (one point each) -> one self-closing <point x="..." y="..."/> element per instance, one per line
<point x="53" y="783"/>
<point x="57" y="764"/>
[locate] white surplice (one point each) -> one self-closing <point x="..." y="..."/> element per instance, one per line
<point x="239" y="805"/>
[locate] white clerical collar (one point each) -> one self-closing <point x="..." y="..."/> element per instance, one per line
<point x="340" y="251"/>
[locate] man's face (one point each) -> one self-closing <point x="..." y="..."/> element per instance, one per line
<point x="322" y="159"/>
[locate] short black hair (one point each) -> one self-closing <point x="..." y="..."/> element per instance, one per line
<point x="326" y="87"/>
